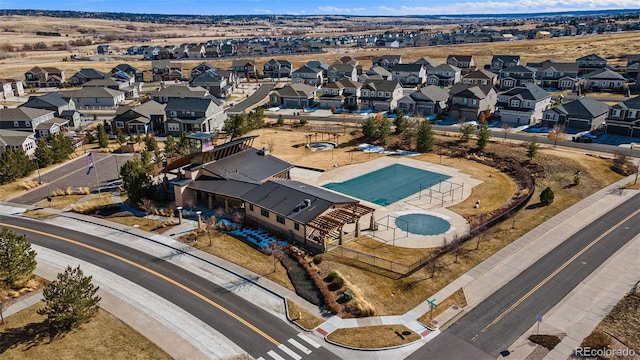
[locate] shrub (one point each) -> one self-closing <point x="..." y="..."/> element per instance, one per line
<point x="332" y="275"/>
<point x="317" y="259"/>
<point x="597" y="340"/>
<point x="304" y="121"/>
<point x="338" y="282"/>
<point x="547" y="196"/>
<point x="353" y="132"/>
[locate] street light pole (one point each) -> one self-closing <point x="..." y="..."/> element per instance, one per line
<point x="38" y="167"/>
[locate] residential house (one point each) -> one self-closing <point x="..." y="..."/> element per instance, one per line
<point x="501" y="62"/>
<point x="427" y="62"/>
<point x="165" y="53"/>
<point x="381" y="95"/>
<point x="351" y="92"/>
<point x="591" y="62"/>
<point x="480" y="77"/>
<point x="44" y="77"/>
<point x="95" y="97"/>
<point x="277" y="69"/>
<point x="332" y="95"/>
<point x="193" y="114"/>
<point x="307" y="75"/>
<point x="553" y="75"/>
<point x="443" y="75"/>
<point x="63" y="107"/>
<point x="104" y="49"/>
<point x="212" y="51"/>
<point x="386" y="61"/>
<point x="85" y="75"/>
<point x="375" y="73"/>
<point x="468" y="101"/>
<point x="35" y="121"/>
<point x="296" y="96"/>
<point x="201" y="68"/>
<point x="12" y="140"/>
<point x="133" y="72"/>
<point x="166" y="70"/>
<point x="466" y="63"/>
<point x="131" y="91"/>
<point x="523" y="105"/>
<point x="245" y="67"/>
<point x="428" y="101"/>
<point x="178" y="91"/>
<point x="580" y="114"/>
<point x="516" y="76"/>
<point x="339" y="71"/>
<point x="146" y="118"/>
<point x="409" y="74"/>
<point x="16" y="85"/>
<point x="195" y="52"/>
<point x="180" y="52"/>
<point x="228" y="49"/>
<point x="632" y="72"/>
<point x="624" y="118"/>
<point x="605" y="80"/>
<point x="151" y="53"/>
<point x="314" y="64"/>
<point x="6" y="90"/>
<point x="218" y="85"/>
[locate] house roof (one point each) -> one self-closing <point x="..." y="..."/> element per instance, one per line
<point x="287" y="198"/>
<point x="124" y="67"/>
<point x="22" y="113"/>
<point x="243" y="62"/>
<point x="342" y="67"/>
<point x="297" y="90"/>
<point x="191" y="104"/>
<point x="349" y="83"/>
<point x="435" y="93"/>
<point x="528" y="92"/>
<point x="633" y="103"/>
<point x="591" y="57"/>
<point x="247" y="166"/>
<point x="518" y="69"/>
<point x="93" y="92"/>
<point x="604" y="73"/>
<point x="460" y="58"/>
<point x="481" y="74"/>
<point x="231" y="188"/>
<point x="470" y="91"/>
<point x="89" y="73"/>
<point x="388" y="58"/>
<point x="425" y="60"/>
<point x="181" y="91"/>
<point x="382" y="85"/>
<point x="46" y="125"/>
<point x="379" y="70"/>
<point x="14" y="137"/>
<point x="583" y="107"/>
<point x="317" y="64"/>
<point x="306" y="69"/>
<point x="53" y="99"/>
<point x="407" y="67"/>
<point x="506" y="58"/>
<point x="101" y="83"/>
<point x="444" y="68"/>
<point x="147" y="109"/>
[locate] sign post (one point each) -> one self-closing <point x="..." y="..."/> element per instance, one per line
<point x="538" y="320"/>
<point x="433" y="305"/>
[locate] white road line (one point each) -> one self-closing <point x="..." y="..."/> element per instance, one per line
<point x="260" y="358"/>
<point x="289" y="352"/>
<point x="299" y="346"/>
<point x="309" y="340"/>
<point x="274" y="355"/>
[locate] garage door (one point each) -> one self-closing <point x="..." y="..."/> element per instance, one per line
<point x="617" y="130"/>
<point x="291" y="103"/>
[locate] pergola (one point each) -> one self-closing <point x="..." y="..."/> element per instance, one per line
<point x="330" y="225"/>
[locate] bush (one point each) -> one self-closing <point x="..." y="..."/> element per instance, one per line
<point x="332" y="275"/>
<point x="317" y="259"/>
<point x="547" y="196"/>
<point x="597" y="340"/>
<point x="338" y="282"/>
<point x="303" y="121"/>
<point x="353" y="132"/>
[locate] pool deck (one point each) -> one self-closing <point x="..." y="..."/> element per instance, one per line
<point x="413" y="204"/>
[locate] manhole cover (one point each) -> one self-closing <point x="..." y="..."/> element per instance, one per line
<point x="454" y="307"/>
<point x="434" y="322"/>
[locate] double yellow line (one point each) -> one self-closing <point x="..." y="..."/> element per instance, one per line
<point x="558" y="270"/>
<point x="152" y="272"/>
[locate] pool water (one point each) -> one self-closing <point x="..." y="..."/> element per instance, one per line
<point x="422" y="224"/>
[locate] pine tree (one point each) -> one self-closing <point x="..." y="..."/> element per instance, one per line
<point x="424" y="137"/>
<point x="280" y="121"/>
<point x="483" y="137"/>
<point x="136" y="180"/>
<point x="384" y="130"/>
<point x="466" y="130"/>
<point x="17" y="259"/>
<point x="120" y="136"/>
<point x="43" y="153"/>
<point x="62" y="147"/>
<point x="547" y="196"/>
<point x="533" y="147"/>
<point x="170" y="147"/>
<point x="103" y="138"/>
<point x="70" y="300"/>
<point x="370" y="128"/>
<point x="401" y="123"/>
<point x="150" y="143"/>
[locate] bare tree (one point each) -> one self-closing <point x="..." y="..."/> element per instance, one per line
<point x="557" y="134"/>
<point x="507" y="127"/>
<point x="148" y="207"/>
<point x="4" y="301"/>
<point x="433" y="266"/>
<point x="210" y="226"/>
<point x="276" y="250"/>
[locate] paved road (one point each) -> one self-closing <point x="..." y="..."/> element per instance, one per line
<point x="496" y="323"/>
<point x="74" y="174"/>
<point x="249" y="103"/>
<point x="255" y="330"/>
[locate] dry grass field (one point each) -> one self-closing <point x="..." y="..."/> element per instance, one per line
<point x="374" y="337"/>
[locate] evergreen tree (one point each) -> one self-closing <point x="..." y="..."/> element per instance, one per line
<point x="70" y="300"/>
<point x="136" y="180"/>
<point x="424" y="137"/>
<point x="483" y="136"/>
<point x="466" y="130"/>
<point x="43" y="153"/>
<point x="171" y="147"/>
<point x="150" y="143"/>
<point x="89" y="138"/>
<point x="62" y="147"/>
<point x="384" y="130"/>
<point x="120" y="136"/>
<point x="400" y="122"/>
<point x="184" y="143"/>
<point x="14" y="165"/>
<point x="237" y="125"/>
<point x="280" y="121"/>
<point x="533" y="147"/>
<point x="17" y="259"/>
<point x="547" y="196"/>
<point x="370" y="127"/>
<point x="103" y="138"/>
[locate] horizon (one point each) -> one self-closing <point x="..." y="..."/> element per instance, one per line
<point x="330" y="7"/>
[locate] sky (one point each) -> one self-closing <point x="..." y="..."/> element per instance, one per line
<point x="323" y="7"/>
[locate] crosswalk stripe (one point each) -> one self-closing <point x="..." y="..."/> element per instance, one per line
<point x="274" y="355"/>
<point x="299" y="346"/>
<point x="260" y="358"/>
<point x="289" y="352"/>
<point x="309" y="340"/>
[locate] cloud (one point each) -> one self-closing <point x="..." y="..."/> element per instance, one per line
<point x="339" y="10"/>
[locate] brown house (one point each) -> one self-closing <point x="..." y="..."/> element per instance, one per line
<point x="44" y="77"/>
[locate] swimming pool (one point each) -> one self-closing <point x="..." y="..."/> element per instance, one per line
<point x="422" y="224"/>
<point x="389" y="184"/>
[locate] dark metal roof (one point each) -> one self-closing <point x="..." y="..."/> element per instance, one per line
<point x="248" y="166"/>
<point x="230" y="188"/>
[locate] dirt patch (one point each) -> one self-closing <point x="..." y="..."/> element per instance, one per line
<point x="546" y="341"/>
<point x="374" y="337"/>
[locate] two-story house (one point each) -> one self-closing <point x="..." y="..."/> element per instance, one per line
<point x="605" y="80"/>
<point x="144" y="119"/>
<point x="12" y="140"/>
<point x="44" y="77"/>
<point x="428" y="101"/>
<point x="244" y="67"/>
<point x="465" y="63"/>
<point x="104" y="49"/>
<point x="63" y="107"/>
<point x="553" y="75"/>
<point x="6" y="90"/>
<point x="480" y="77"/>
<point x="516" y="76"/>
<point x="581" y="114"/>
<point x="443" y="75"/>
<point x="95" y="97"/>
<point x="523" y="105"/>
<point x="624" y="118"/>
<point x="332" y="95"/>
<point x="386" y="61"/>
<point x="375" y="73"/>
<point x="409" y="74"/>
<point x="351" y="91"/>
<point x="277" y="68"/>
<point x="166" y="70"/>
<point x="193" y="114"/>
<point x="200" y="68"/>
<point x="467" y="101"/>
<point x="591" y="62"/>
<point x="40" y="122"/>
<point x="132" y="71"/>
<point x="179" y="91"/>
<point x="381" y="95"/>
<point x="307" y="75"/>
<point x="501" y="62"/>
<point x="85" y="75"/>
<point x="339" y="71"/>
<point x="294" y="96"/>
<point x="427" y="62"/>
<point x="218" y="85"/>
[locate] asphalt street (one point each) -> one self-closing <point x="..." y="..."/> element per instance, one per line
<point x="497" y="322"/>
<point x="252" y="334"/>
<point x="74" y="174"/>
